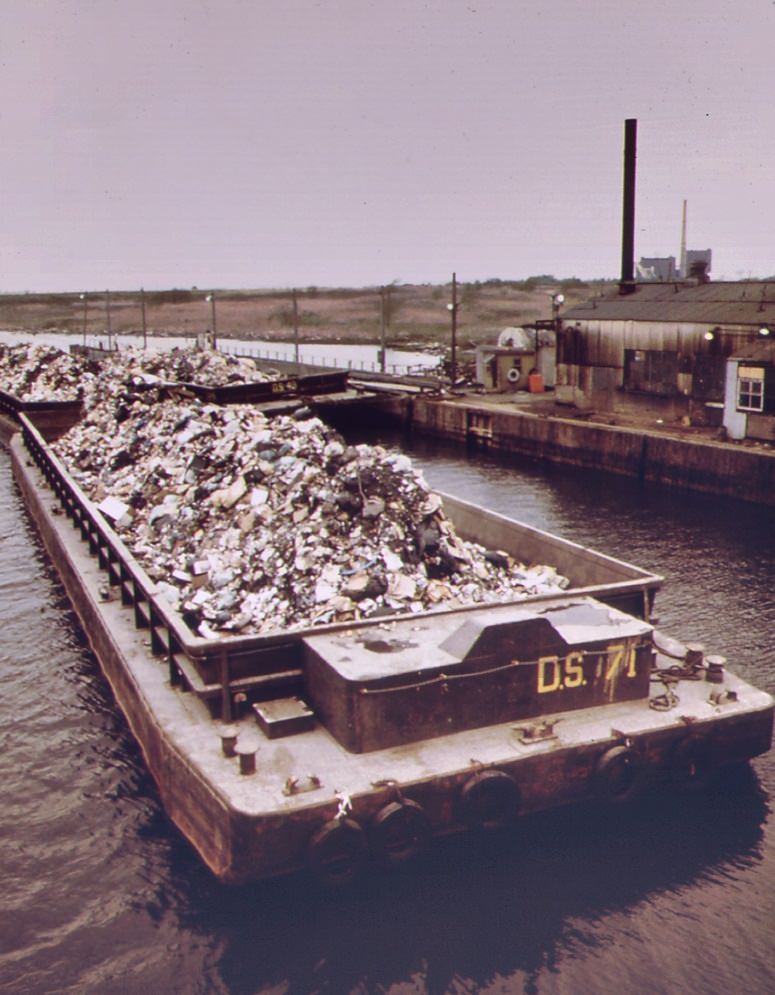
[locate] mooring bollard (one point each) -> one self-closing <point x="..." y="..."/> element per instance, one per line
<point x="247" y="757"/>
<point x="716" y="664"/>
<point x="228" y="734"/>
<point x="695" y="653"/>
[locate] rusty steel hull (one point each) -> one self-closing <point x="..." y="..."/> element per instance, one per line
<point x="257" y="825"/>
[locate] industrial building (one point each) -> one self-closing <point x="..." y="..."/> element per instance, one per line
<point x="662" y="347"/>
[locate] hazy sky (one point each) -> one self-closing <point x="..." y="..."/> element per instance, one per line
<point x="278" y="143"/>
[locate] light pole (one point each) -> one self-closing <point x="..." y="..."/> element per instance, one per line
<point x="211" y="298"/>
<point x="85" y="299"/>
<point x="295" y="328"/>
<point x="453" y="308"/>
<point x="142" y="312"/>
<point x="107" y="318"/>
<point x="557" y="301"/>
<point x="384" y="320"/>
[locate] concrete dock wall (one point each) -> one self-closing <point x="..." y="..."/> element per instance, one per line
<point x="702" y="465"/>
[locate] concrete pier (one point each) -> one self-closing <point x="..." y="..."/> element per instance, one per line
<point x="690" y="458"/>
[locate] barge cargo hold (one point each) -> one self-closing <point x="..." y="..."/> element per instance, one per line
<point x="328" y="747"/>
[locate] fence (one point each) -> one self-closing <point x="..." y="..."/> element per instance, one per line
<point x="362" y="366"/>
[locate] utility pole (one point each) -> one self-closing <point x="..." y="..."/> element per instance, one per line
<point x="107" y="317"/>
<point x="295" y="327"/>
<point x="85" y="299"/>
<point x="142" y="312"/>
<point x="211" y="298"/>
<point x="382" y="326"/>
<point x="453" y="310"/>
<point x="388" y="315"/>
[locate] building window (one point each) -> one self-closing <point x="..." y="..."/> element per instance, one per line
<point x="651" y="371"/>
<point x="750" y="388"/>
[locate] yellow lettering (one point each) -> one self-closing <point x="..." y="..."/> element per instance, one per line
<point x="615" y="657"/>
<point x="574" y="672"/>
<point x="543" y="684"/>
<point x="631" y="660"/>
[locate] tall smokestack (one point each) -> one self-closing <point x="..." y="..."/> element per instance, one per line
<point x="627" y="282"/>
<point x="682" y="261"/>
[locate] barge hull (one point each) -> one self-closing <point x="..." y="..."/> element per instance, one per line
<point x="261" y="826"/>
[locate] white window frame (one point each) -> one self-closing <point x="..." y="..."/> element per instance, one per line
<point x="750" y="388"/>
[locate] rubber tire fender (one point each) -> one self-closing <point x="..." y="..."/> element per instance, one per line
<point x="399" y="832"/>
<point x="619" y="776"/>
<point x="689" y="764"/>
<point x="337" y="852"/>
<point x="490" y="800"/>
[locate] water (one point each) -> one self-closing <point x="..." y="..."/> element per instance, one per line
<point x="101" y="895"/>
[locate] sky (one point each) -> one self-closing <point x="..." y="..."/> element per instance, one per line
<point x="295" y="143"/>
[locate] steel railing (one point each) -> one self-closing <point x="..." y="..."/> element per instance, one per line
<point x="212" y="668"/>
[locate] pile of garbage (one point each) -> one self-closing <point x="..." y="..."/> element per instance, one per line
<point x="250" y="525"/>
<point x="45" y="373"/>
<point x="207" y="367"/>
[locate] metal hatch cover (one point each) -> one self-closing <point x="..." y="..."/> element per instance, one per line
<point x="422" y="678"/>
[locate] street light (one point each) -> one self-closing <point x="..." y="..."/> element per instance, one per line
<point x="384" y="306"/>
<point x="211" y="298"/>
<point x="107" y="319"/>
<point x="453" y="309"/>
<point x="142" y="312"/>
<point x="85" y="299"/>
<point x="557" y="301"/>
<point x="295" y="301"/>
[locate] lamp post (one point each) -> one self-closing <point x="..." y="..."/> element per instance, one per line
<point x="142" y="312"/>
<point x="85" y="298"/>
<point x="211" y="298"/>
<point x="453" y="309"/>
<point x="384" y="321"/>
<point x="107" y="318"/>
<point x="295" y="328"/>
<point x="557" y="301"/>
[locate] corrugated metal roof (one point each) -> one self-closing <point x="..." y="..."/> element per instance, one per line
<point x="762" y="351"/>
<point x="747" y="303"/>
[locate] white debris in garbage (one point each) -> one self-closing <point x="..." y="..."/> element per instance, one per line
<point x="262" y="525"/>
<point x="118" y="513"/>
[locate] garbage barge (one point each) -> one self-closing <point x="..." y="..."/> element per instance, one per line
<point x="331" y="747"/>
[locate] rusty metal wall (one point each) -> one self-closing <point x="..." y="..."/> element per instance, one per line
<point x="596" y="342"/>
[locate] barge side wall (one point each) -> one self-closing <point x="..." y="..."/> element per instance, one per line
<point x="711" y="467"/>
<point x="198" y="812"/>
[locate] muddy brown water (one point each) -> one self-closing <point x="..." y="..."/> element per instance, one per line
<point x="102" y="895"/>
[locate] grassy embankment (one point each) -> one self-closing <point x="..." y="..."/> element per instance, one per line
<point x="417" y="315"/>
